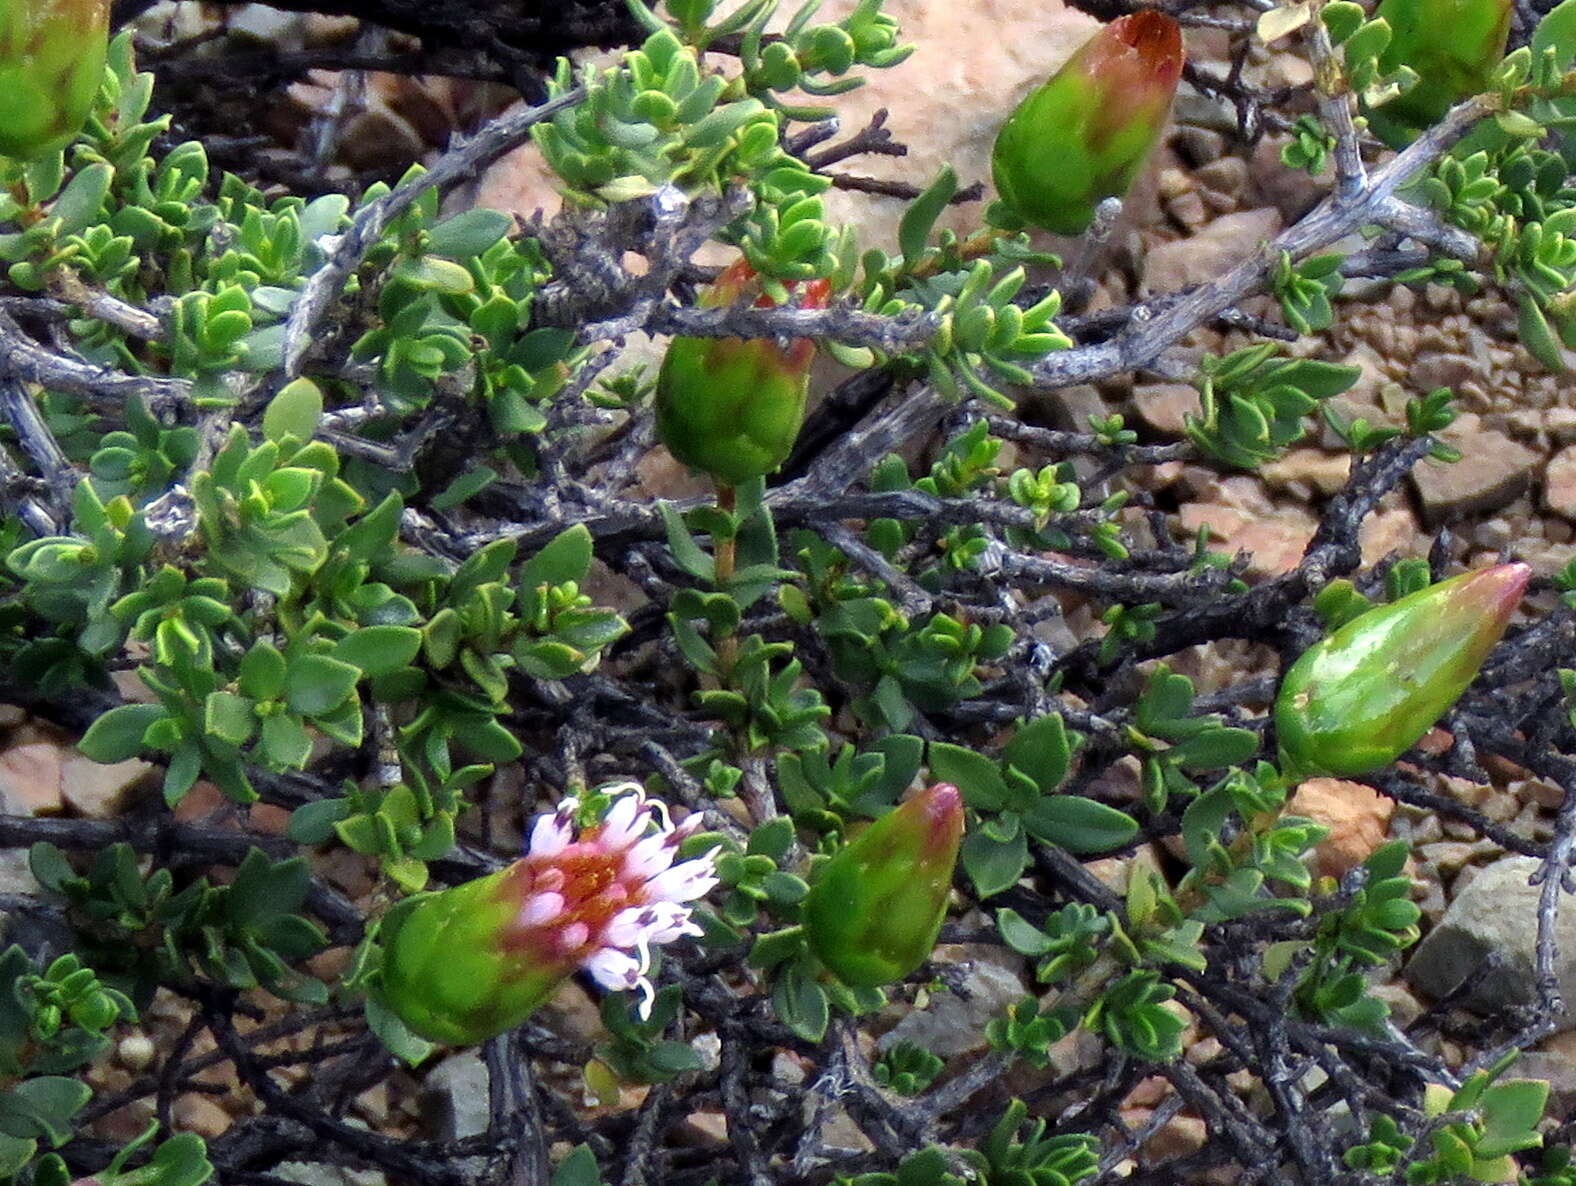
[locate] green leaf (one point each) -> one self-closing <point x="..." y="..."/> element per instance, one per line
<point x="1537" y="335"/>
<point x="378" y="650"/>
<point x="262" y="672"/>
<point x="1040" y="749"/>
<point x="1557" y="31"/>
<point x="317" y="685"/>
<point x="229" y="718"/>
<point x="801" y="1003"/>
<point x="117" y="735"/>
<point x="1512" y="1109"/>
<point x="920" y="217"/>
<point x="578" y="1169"/>
<point x="295" y="411"/>
<point x="974" y="774"/>
<point x="1079" y="825"/>
<point x="992" y="864"/>
<point x="567" y="558"/>
<point x="396" y="1037"/>
<point x="467" y="235"/>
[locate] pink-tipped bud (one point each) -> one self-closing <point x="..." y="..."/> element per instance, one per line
<point x="1083" y="136"/>
<point x="1365" y="695"/>
<point x="877" y="905"/>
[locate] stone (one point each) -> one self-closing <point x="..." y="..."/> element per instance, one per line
<point x="1163" y="406"/>
<point x="455" y="1095"/>
<point x="1393" y="530"/>
<point x="1357" y="816"/>
<point x="1492" y="473"/>
<point x="954" y="1022"/>
<point x="1227" y="176"/>
<point x="1274" y="540"/>
<point x="1305" y="471"/>
<point x="316" y="1173"/>
<point x="30" y="775"/>
<point x="1198" y="146"/>
<point x="12" y="715"/>
<point x="1497" y="913"/>
<point x="1291" y="191"/>
<point x="201" y="1115"/>
<point x="97" y="790"/>
<point x="1559" y="483"/>
<point x="1224" y="242"/>
<point x="1069" y="408"/>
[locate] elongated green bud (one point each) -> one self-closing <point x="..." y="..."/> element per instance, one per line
<point x="1453" y="45"/>
<point x="732" y="407"/>
<point x="1358" y="700"/>
<point x="463" y="964"/>
<point x="51" y="65"/>
<point x="1084" y="135"/>
<point x="875" y="909"/>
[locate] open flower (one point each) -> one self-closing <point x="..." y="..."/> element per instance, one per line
<point x="463" y="964"/>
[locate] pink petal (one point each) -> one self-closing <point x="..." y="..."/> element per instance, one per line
<point x="541" y="908"/>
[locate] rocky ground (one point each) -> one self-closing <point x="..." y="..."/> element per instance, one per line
<point x="1209" y="198"/>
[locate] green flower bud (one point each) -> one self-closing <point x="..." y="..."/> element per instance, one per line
<point x="463" y="964"/>
<point x="732" y="407"/>
<point x="1358" y="700"/>
<point x="875" y="909"/>
<point x="51" y="65"/>
<point x="1453" y="45"/>
<point x="1084" y="135"/>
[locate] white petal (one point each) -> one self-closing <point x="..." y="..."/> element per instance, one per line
<point x="668" y="921"/>
<point x="648" y="858"/>
<point x="624" y="823"/>
<point x="684" y="882"/>
<point x="628" y="927"/>
<point x="615" y="969"/>
<point x="572" y="936"/>
<point x="552" y="833"/>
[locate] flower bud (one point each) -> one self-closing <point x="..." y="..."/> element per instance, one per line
<point x="1082" y="137"/>
<point x="1362" y="697"/>
<point x="463" y="964"/>
<point x="1453" y="45"/>
<point x="51" y="65"/>
<point x="732" y="407"/>
<point x="875" y="909"/>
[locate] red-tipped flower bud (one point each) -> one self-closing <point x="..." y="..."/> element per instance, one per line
<point x="464" y="964"/>
<point x="732" y="407"/>
<point x="1083" y="136"/>
<point x="1453" y="45"/>
<point x="1361" y="698"/>
<point x="877" y="905"/>
<point x="51" y="65"/>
